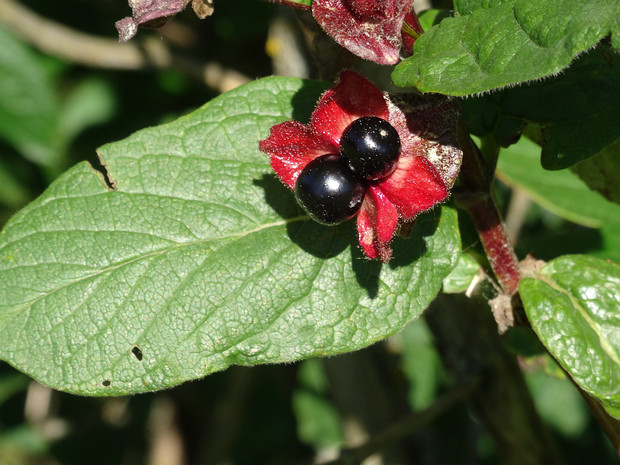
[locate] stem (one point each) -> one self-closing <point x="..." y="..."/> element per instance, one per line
<point x="469" y="345"/>
<point x="494" y="237"/>
<point x="477" y="199"/>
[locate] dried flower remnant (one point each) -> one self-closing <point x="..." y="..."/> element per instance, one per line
<point x="155" y="13"/>
<point x="375" y="30"/>
<point x="417" y="147"/>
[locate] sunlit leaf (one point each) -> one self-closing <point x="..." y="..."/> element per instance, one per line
<point x="504" y="43"/>
<point x="572" y="304"/>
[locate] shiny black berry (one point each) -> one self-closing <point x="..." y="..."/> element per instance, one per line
<point x="328" y="190"/>
<point x="371" y="146"/>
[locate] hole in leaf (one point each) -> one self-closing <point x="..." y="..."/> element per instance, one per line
<point x="106" y="383"/>
<point x="102" y="169"/>
<point x="136" y="352"/>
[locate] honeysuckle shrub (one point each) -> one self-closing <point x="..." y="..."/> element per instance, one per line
<point x="188" y="255"/>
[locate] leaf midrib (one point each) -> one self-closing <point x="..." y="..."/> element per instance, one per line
<point x="605" y="345"/>
<point x="128" y="261"/>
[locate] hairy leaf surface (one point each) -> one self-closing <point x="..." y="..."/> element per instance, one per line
<point x="504" y="43"/>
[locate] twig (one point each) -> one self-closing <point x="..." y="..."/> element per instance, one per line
<point x="517" y="211"/>
<point x="85" y="49"/>
<point x="469" y="344"/>
<point x="408" y="425"/>
<point x="367" y="398"/>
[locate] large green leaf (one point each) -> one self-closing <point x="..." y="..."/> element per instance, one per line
<point x="561" y="192"/>
<point x="506" y="43"/>
<point x="198" y="259"/>
<point x="573" y="305"/>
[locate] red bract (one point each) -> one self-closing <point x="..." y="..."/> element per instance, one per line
<point x="427" y="167"/>
<point x="371" y="29"/>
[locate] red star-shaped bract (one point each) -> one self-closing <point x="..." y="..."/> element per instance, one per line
<point x="427" y="166"/>
<point x="371" y="29"/>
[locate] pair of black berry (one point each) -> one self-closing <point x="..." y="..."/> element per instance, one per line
<point x="331" y="187"/>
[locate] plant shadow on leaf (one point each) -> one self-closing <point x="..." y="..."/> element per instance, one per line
<point x="326" y="242"/>
<point x="305" y="99"/>
<point x="278" y="196"/>
<point x="410" y="247"/>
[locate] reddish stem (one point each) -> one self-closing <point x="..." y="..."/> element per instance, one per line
<point x="495" y="241"/>
<point x="479" y="202"/>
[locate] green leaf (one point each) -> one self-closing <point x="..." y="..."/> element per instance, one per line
<point x="505" y="43"/>
<point x="318" y="423"/>
<point x="602" y="171"/>
<point x="421" y="363"/>
<point x="572" y="305"/>
<point x="462" y="276"/>
<point x="198" y="259"/>
<point x="466" y="7"/>
<point x="429" y="18"/>
<point x="28" y="105"/>
<point x="90" y="102"/>
<point x="303" y="4"/>
<point x="558" y="403"/>
<point x="561" y="192"/>
<point x="578" y="110"/>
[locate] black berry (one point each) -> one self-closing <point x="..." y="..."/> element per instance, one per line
<point x="328" y="190"/>
<point x="371" y="146"/>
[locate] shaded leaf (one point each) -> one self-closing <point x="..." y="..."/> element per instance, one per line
<point x="578" y="111"/>
<point x="318" y="423"/>
<point x="13" y="193"/>
<point x="199" y="259"/>
<point x="421" y="363"/>
<point x="301" y="4"/>
<point x="429" y="18"/>
<point x="573" y="307"/>
<point x="90" y="102"/>
<point x="561" y="192"/>
<point x="507" y="43"/>
<point x="558" y="403"/>
<point x="602" y="171"/>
